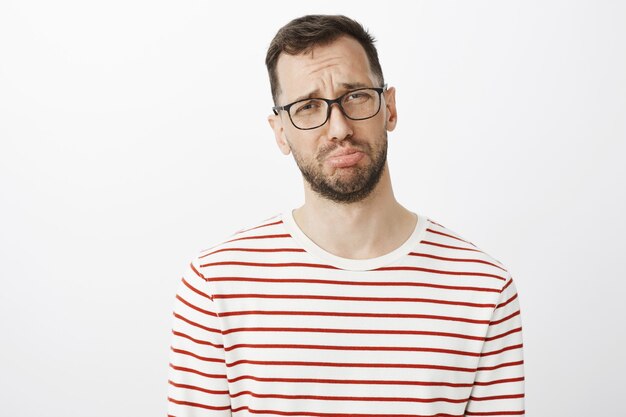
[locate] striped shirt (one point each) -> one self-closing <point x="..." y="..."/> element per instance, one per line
<point x="268" y="323"/>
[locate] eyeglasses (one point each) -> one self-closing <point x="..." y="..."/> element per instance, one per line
<point x="311" y="113"/>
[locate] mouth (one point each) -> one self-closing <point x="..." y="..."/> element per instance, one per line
<point x="345" y="158"/>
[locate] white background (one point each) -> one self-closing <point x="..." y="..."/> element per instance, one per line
<point x="134" y="133"/>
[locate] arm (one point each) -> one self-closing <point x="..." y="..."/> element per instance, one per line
<point x="197" y="373"/>
<point x="499" y="384"/>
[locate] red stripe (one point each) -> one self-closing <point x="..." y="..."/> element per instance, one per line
<point x="201" y="310"/>
<point x="353" y="381"/>
<point x="352" y="365"/>
<point x="437" y="271"/>
<point x="198" y="325"/>
<point x="270" y="265"/>
<point x="442" y="258"/>
<point x="313" y="265"/>
<point x="253" y="250"/>
<point x="497" y="397"/>
<point x="450" y="236"/>
<point x="351" y="347"/>
<point x="351" y="398"/>
<point x="499" y="381"/>
<point x="278" y="236"/>
<point x="344" y="314"/>
<point x="501" y="335"/>
<point x="193" y="371"/>
<point x="202" y="358"/>
<point x="502" y="365"/>
<point x="197" y="291"/>
<point x="495" y="413"/>
<point x="509" y="282"/>
<point x="507" y="301"/>
<point x="331" y="297"/>
<point x="314" y="414"/>
<point x="497" y="352"/>
<point x="434" y="222"/>
<point x="201" y="342"/>
<point x="258" y="227"/>
<point x="427" y="242"/>
<point x="324" y="397"/>
<point x="357" y="283"/>
<point x="510" y="316"/>
<point x="198" y="273"/>
<point x="352" y="331"/>
<point x="191" y="404"/>
<point x="196" y="388"/>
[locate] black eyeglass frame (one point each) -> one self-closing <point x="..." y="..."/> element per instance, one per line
<point x="330" y="102"/>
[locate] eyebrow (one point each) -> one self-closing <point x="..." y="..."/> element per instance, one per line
<point x="346" y="86"/>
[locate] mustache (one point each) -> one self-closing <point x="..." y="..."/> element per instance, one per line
<point x="353" y="143"/>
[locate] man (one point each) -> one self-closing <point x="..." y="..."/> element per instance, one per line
<point x="350" y="305"/>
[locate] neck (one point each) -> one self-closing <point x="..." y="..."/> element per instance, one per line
<point x="366" y="229"/>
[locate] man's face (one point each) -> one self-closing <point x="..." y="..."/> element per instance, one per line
<point x="344" y="159"/>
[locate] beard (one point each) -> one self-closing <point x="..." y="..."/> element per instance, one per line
<point x="349" y="188"/>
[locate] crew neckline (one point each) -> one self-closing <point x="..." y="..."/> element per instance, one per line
<point x="354" y="264"/>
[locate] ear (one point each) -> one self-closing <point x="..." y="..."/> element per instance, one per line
<point x="390" y="107"/>
<point x="276" y="123"/>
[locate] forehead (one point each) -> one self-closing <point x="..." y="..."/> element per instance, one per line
<point x="323" y="69"/>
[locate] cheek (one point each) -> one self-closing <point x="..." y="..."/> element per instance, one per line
<point x="303" y="144"/>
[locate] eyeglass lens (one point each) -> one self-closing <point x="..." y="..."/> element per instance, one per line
<point x="357" y="105"/>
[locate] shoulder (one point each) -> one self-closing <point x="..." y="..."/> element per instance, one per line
<point x="249" y="236"/>
<point x="439" y="240"/>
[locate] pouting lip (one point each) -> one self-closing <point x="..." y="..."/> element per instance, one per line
<point x="343" y="152"/>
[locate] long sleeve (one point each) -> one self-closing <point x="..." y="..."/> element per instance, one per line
<point x="499" y="384"/>
<point x="197" y="374"/>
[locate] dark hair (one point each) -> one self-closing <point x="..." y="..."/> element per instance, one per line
<point x="302" y="34"/>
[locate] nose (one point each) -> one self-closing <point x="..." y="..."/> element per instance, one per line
<point x="339" y="126"/>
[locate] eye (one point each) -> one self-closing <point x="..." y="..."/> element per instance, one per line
<point x="355" y="95"/>
<point x="358" y="96"/>
<point x="307" y="107"/>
